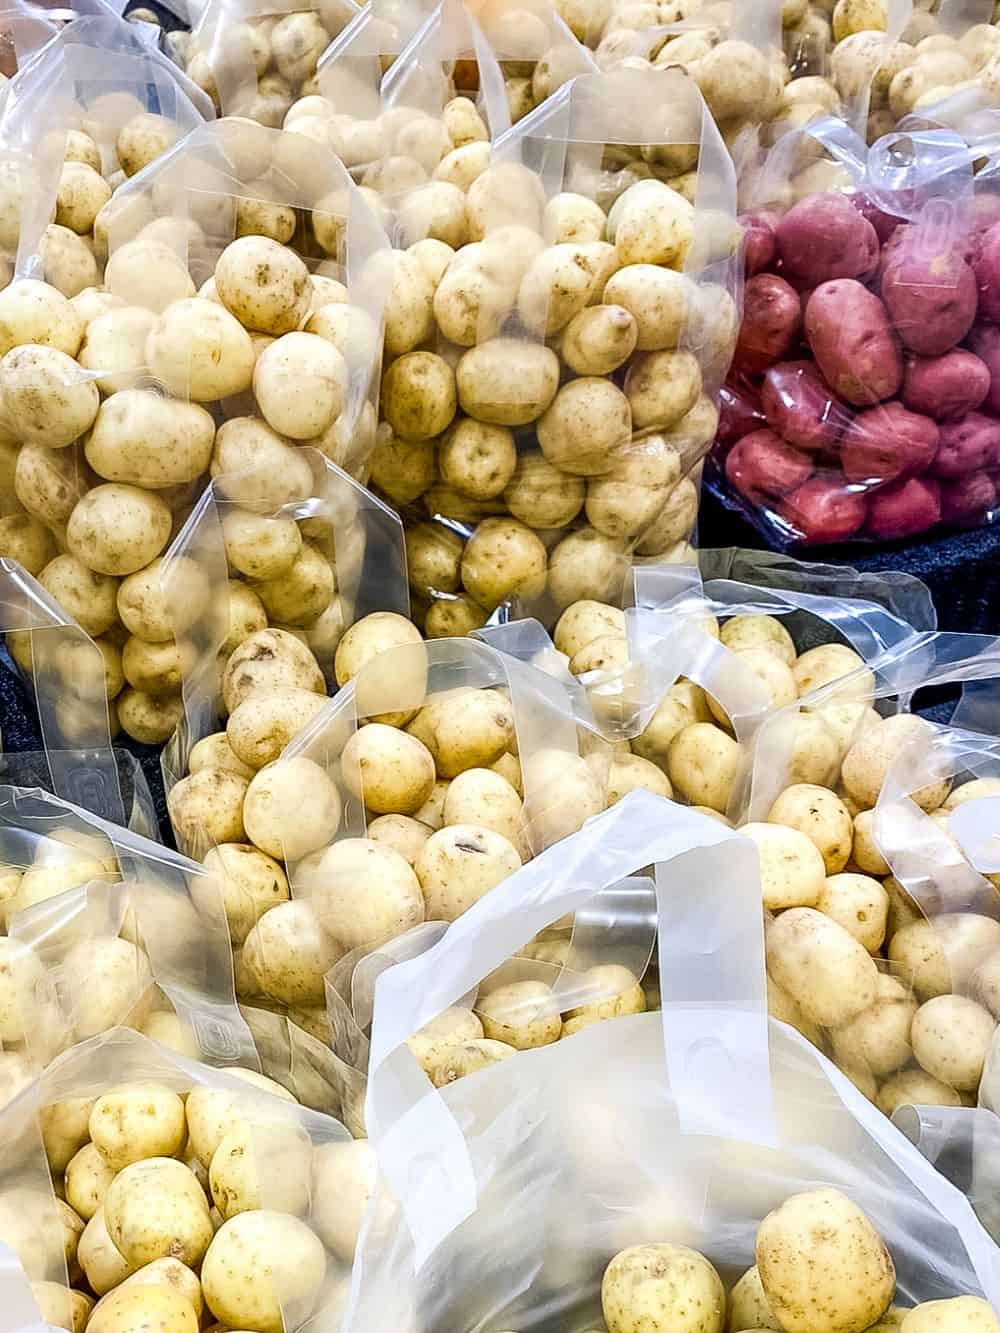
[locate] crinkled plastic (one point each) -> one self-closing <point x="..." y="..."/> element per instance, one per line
<point x="350" y="70"/>
<point x="106" y="927"/>
<point x="290" y="1147"/>
<point x="255" y="58"/>
<point x="685" y="1126"/>
<point x="860" y="405"/>
<point x="573" y="480"/>
<point x="69" y="674"/>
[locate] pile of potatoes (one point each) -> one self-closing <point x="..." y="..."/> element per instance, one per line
<point x="190" y="1208"/>
<point x="259" y="65"/>
<point x="121" y="403"/>
<point x="820" y="1264"/>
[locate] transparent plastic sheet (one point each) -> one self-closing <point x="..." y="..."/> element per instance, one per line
<point x="22" y="33"/>
<point x="554" y="510"/>
<point x="299" y="1177"/>
<point x="642" y="1152"/>
<point x="964" y="1144"/>
<point x="350" y="70"/>
<point x="819" y="443"/>
<point x="68" y="673"/>
<point x="107" y="927"/>
<point x="255" y="58"/>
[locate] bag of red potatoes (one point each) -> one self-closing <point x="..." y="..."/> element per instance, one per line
<point x="864" y="397"/>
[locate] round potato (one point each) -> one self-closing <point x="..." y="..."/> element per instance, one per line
<point x="34" y="312"/>
<point x="198" y="351"/>
<point x="117" y="529"/>
<point x="300" y="383"/>
<point x="391" y="772"/>
<point x="145" y="439"/>
<point x="821" y="816"/>
<point x="288" y="954"/>
<point x="752" y="631"/>
<point x="46" y="394"/>
<point x="130" y="1124"/>
<point x="260" y="1163"/>
<point x="701" y="763"/>
<point x="133" y="1307"/>
<point x="830" y="662"/>
<point x="951" y="1038"/>
<point x="792" y="873"/>
<point x="458" y="864"/>
<point x="87" y="1179"/>
<point x="458" y="1059"/>
<point x="366" y="893"/>
<point x="264" y="284"/>
<point x="523" y="1014"/>
<point x="155" y="1209"/>
<point x="269" y="660"/>
<point x="878" y="1039"/>
<point x="867" y="763"/>
<point x="260" y="1266"/>
<point x="206" y="807"/>
<point x="212" y="1113"/>
<point x="405" y="673"/>
<point x="503" y="558"/>
<point x="859" y="903"/>
<point x="663" y="1286"/>
<point x="291" y="808"/>
<point x="344" y="1176"/>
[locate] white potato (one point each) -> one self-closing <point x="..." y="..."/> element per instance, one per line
<point x="366" y="893"/>
<point x="133" y="1123"/>
<point x="260" y="1266"/>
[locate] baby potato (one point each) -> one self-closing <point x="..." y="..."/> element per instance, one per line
<point x="214" y="752"/>
<point x="147" y="273"/>
<point x="942" y="955"/>
<point x="585" y="428"/>
<point x="81" y="194"/>
<point x="616" y="992"/>
<point x="288" y="953"/>
<point x="45" y="393"/>
<point x="103" y="1265"/>
<point x="198" y="350"/>
<point x="268" y="660"/>
<point x="829" y="662"/>
<point x="701" y="763"/>
<point x="145" y="439"/>
<point x="68" y="261"/>
<point x="154" y="608"/>
<point x="260" y="1266"/>
<point x="149" y="720"/>
<point x="87" y="1179"/>
<point x="155" y="1209"/>
<point x="865" y="852"/>
<point x="859" y="903"/>
<point x="465" y="728"/>
<point x="772" y="673"/>
<point x="477" y="459"/>
<point x="459" y="1059"/>
<point x="212" y="1114"/>
<point x="599" y="339"/>
<point x="154" y="668"/>
<point x="433" y="558"/>
<point x="951" y="1038"/>
<point x="62" y="1308"/>
<point x="804" y="1248"/>
<point x="540" y="495"/>
<point x="26" y="540"/>
<point x="503" y="558"/>
<point x="114" y="347"/>
<point x="914" y="1087"/>
<point x="629" y="772"/>
<point x="587" y="564"/>
<point x="261" y="1162"/>
<point x="866" y="764"/>
<point x="961" y="1314"/>
<point x="401" y="834"/>
<point x="35" y="312"/>
<point x="344" y="1177"/>
<point x="584" y="622"/>
<point x="972" y="791"/>
<point x="260" y="727"/>
<point x="264" y="284"/>
<point x="252" y="883"/>
<point x="303" y="592"/>
<point x="662" y="1287"/>
<point x="171" y="1275"/>
<point x="878" y="1039"/>
<point x="262" y="471"/>
<point x="367" y="639"/>
<point x="49" y="483"/>
<point x="418" y="395"/>
<point x="111" y="981"/>
<point x="144" y="138"/>
<point x="661" y="388"/>
<point x="792" y="873"/>
<point x="823" y="968"/>
<point x="291" y="808"/>
<point x="748" y="1307"/>
<point x="522" y="1014"/>
<point x="366" y="893"/>
<point x="391" y="772"/>
<point x="131" y="1308"/>
<point x="136" y="1122"/>
<point x="821" y="816"/>
<point x="206" y="807"/>
<point x="572" y="218"/>
<point x="258" y="546"/>
<point x="484" y="798"/>
<point x="300" y="383"/>
<point x="755" y="631"/>
<point x="506" y="381"/>
<point x="458" y="864"/>
<point x="451" y="1027"/>
<point x="117" y="529"/>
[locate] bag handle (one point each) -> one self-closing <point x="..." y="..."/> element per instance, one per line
<point x="710" y="929"/>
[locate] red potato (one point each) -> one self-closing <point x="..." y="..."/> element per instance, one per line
<point x="772" y="321"/>
<point x="739" y="413"/>
<point x="824" y="236"/>
<point x="930" y="295"/>
<point x="760" y="242"/>
<point x="886" y="443"/>
<point x="854" y="342"/>
<point x="904" y="508"/>
<point x="986" y="264"/>
<point x="822" y="510"/>
<point x="968" y="445"/>
<point x="762" y="466"/>
<point x="884" y="223"/>
<point x="985" y="343"/>
<point x="945" y="387"/>
<point x="798" y="405"/>
<point x="968" y="500"/>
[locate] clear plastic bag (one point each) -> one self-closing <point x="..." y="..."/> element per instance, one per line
<point x="517" y="491"/>
<point x="820" y="443"/>
<point x="686" y="1126"/>
<point x="289" y="1188"/>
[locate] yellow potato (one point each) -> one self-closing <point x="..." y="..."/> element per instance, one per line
<point x="260" y="1266"/>
<point x="668" y="1288"/>
<point x="131" y="1309"/>
<point x="824" y="969"/>
<point x="792" y="873"/>
<point x="821" y="816"/>
<point x="155" y="1209"/>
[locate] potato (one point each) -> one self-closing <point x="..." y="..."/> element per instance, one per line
<point x="171" y="1275"/>
<point x="833" y="661"/>
<point x="391" y="772"/>
<point x="663" y="1287"/>
<point x="961" y="1314"/>
<point x="748" y="1307"/>
<point x="868" y="761"/>
<point x="587" y="426"/>
<point x="821" y="966"/>
<point x="198" y="350"/>
<point x="971" y="791"/>
<point x="262" y="471"/>
<point x="265" y="285"/>
<point x="803" y="1249"/>
<point x="25" y="540"/>
<point x="303" y="592"/>
<point x="136" y="1122"/>
<point x="702" y="763"/>
<point x="300" y="382"/>
<point x="260" y="1266"/>
<point x="616" y="992"/>
<point x="148" y="720"/>
<point x="942" y="955"/>
<point x="542" y="496"/>
<point x="878" y="1039"/>
<point x="651" y="224"/>
<point x="154" y="668"/>
<point x="503" y="559"/>
<point x="401" y="834"/>
<point x="130" y="1308"/>
<point x="366" y="893"/>
<point x="344" y="1177"/>
<point x="144" y="439"/>
<point x="477" y="459"/>
<point x="87" y="1179"/>
<point x="102" y="1264"/>
<point x="523" y="1014"/>
<point x="451" y="1027"/>
<point x="44" y="391"/>
<point x="214" y="752"/>
<point x="661" y="388"/>
<point x="951" y="1038"/>
<point x="506" y="381"/>
<point x="288" y="954"/>
<point x="465" y="728"/>
<point x="458" y="864"/>
<point x="756" y="631"/>
<point x="792" y="872"/>
<point x="584" y="622"/>
<point x="821" y="816"/>
<point x="860" y="904"/>
<point x="418" y="395"/>
<point x="206" y="807"/>
<point x="459" y="1059"/>
<point x="260" y="547"/>
<point x="212" y="1114"/>
<point x="852" y="339"/>
<point x="114" y="347"/>
<point x="35" y="312"/>
<point x="259" y="1163"/>
<point x="147" y="273"/>
<point x="116" y="529"/>
<point x="824" y="237"/>
<point x="155" y="1209"/>
<point x="111" y="981"/>
<point x="402" y="469"/>
<point x="260" y="727"/>
<point x="269" y="660"/>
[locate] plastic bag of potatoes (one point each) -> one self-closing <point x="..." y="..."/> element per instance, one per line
<point x="103" y="926"/>
<point x="136" y="368"/>
<point x="695" y="1145"/>
<point x="285" y="562"/>
<point x="255" y="57"/>
<point x="521" y="484"/>
<point x="180" y="1192"/>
